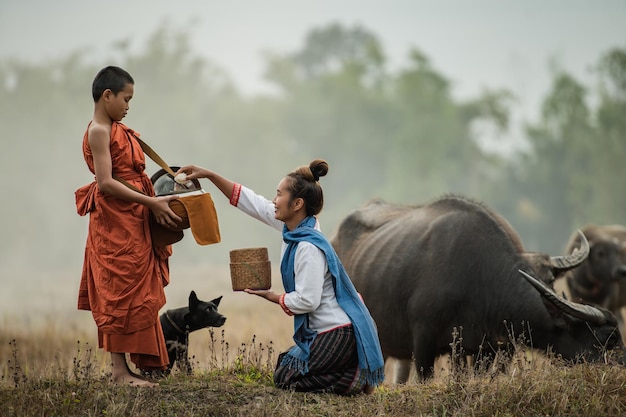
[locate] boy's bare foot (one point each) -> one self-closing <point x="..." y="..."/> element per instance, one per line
<point x="131" y="380"/>
<point x="369" y="389"/>
<point x="122" y="375"/>
<point x="142" y="377"/>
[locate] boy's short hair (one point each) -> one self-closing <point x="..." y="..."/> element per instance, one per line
<point x="110" y="78"/>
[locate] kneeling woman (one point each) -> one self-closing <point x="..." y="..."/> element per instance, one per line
<point x="337" y="348"/>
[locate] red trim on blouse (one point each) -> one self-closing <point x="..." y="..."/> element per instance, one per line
<point x="234" y="197"/>
<point x="281" y="301"/>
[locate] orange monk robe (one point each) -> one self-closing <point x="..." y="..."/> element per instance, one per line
<point x="123" y="277"/>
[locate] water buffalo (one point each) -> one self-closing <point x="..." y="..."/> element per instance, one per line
<point x="596" y="280"/>
<point x="600" y="279"/>
<point x="424" y="271"/>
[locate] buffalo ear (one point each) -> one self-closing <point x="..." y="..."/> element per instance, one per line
<point x="217" y="301"/>
<point x="193" y="300"/>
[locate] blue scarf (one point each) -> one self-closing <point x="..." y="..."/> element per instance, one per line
<point x="371" y="360"/>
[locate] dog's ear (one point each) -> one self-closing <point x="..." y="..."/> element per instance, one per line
<point x="217" y="301"/>
<point x="193" y="300"/>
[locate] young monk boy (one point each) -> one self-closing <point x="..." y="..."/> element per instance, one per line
<point x="123" y="276"/>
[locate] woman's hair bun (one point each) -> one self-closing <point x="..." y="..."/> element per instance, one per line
<point x="319" y="168"/>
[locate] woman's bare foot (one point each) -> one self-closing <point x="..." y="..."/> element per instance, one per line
<point x="369" y="389"/>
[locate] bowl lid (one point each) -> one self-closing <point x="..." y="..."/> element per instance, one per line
<point x="164" y="183"/>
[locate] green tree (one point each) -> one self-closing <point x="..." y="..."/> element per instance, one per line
<point x="560" y="166"/>
<point x="432" y="149"/>
<point x="573" y="173"/>
<point x="335" y="107"/>
<point x="397" y="136"/>
<point x="608" y="161"/>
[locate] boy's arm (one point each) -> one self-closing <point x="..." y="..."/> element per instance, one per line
<point x="100" y="142"/>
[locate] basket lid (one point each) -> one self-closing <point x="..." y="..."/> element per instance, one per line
<point x="249" y="255"/>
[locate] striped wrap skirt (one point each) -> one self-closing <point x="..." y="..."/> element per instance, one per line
<point x="333" y="366"/>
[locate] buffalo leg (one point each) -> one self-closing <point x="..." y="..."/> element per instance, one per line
<point x="621" y="314"/>
<point x="424" y="354"/>
<point x="401" y="370"/>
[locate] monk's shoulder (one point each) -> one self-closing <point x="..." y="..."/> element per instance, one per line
<point x="98" y="132"/>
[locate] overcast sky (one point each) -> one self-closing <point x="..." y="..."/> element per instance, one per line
<point x="475" y="43"/>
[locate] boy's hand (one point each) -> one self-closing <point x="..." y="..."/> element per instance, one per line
<point x="163" y="213"/>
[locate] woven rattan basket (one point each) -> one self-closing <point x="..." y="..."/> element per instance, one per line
<point x="250" y="268"/>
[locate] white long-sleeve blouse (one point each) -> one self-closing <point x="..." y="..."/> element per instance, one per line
<point x="314" y="293"/>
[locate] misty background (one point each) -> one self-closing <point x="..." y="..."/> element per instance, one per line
<point x="521" y="106"/>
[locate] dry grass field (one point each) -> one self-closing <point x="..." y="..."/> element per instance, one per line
<point x="50" y="366"/>
<point x="44" y="309"/>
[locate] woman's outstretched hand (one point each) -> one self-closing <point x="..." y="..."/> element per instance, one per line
<point x="193" y="171"/>
<point x="267" y="294"/>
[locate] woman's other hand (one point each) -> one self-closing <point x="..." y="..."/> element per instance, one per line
<point x="267" y="294"/>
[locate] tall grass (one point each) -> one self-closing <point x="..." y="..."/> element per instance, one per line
<point x="50" y="365"/>
<point x="51" y="372"/>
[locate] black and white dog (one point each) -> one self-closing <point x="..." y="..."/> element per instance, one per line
<point x="179" y="322"/>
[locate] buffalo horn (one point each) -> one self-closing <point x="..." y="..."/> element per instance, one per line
<point x="581" y="311"/>
<point x="575" y="258"/>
